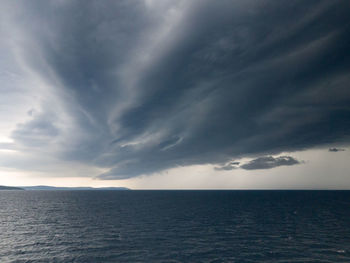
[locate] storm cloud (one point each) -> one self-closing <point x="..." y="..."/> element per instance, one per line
<point x="137" y="87"/>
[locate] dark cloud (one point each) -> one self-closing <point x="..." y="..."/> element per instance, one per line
<point x="144" y="90"/>
<point x="228" y="167"/>
<point x="336" y="150"/>
<point x="268" y="162"/>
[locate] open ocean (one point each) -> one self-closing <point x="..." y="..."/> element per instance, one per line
<point x="174" y="226"/>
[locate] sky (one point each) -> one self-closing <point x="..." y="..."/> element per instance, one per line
<point x="175" y="94"/>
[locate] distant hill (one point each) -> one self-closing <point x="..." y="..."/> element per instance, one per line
<point x="2" y="187"/>
<point x="53" y="188"/>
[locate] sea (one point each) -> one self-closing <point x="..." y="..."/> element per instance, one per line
<point x="174" y="226"/>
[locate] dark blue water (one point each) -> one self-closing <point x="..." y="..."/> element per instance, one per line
<point x="175" y="226"/>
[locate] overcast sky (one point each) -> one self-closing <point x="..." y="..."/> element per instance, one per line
<point x="175" y="94"/>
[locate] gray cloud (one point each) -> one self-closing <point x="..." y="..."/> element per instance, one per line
<point x="138" y="89"/>
<point x="336" y="150"/>
<point x="268" y="162"/>
<point x="38" y="132"/>
<point x="228" y="167"/>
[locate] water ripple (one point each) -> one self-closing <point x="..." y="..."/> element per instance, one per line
<point x="175" y="226"/>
